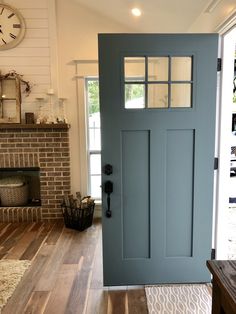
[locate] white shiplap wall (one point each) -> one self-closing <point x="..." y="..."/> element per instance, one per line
<point x="33" y="56"/>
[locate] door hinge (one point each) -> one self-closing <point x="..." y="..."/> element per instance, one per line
<point x="213" y="254"/>
<point x="219" y="64"/>
<point x="216" y="163"/>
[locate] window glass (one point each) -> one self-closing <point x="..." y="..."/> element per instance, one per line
<point x="94" y="138"/>
<point x="134" y="69"/>
<point x="181" y="68"/>
<point x="134" y="96"/>
<point x="95" y="164"/>
<point x="158" y="69"/>
<point x="167" y="82"/>
<point x="181" y="95"/>
<point x="95" y="187"/>
<point x="158" y="96"/>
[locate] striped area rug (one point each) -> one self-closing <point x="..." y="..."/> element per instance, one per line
<point x="178" y="299"/>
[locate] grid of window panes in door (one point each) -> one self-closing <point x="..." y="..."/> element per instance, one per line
<point x="158" y="82"/>
<point x="94" y="138"/>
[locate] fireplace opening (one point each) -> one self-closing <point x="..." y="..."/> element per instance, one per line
<point x="20" y="187"/>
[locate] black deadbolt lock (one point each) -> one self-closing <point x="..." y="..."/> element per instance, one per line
<point x="108" y="169"/>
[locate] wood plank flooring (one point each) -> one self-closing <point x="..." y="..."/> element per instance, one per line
<point x="66" y="272"/>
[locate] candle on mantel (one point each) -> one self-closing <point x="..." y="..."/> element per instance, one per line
<point x="62" y="117"/>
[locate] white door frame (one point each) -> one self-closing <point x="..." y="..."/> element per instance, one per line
<point x="223" y="139"/>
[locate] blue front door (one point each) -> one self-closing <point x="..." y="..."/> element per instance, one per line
<point x="158" y="99"/>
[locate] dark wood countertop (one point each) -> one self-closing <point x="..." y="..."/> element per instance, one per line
<point x="224" y="275"/>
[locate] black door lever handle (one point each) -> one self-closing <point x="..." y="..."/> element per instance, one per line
<point x="108" y="211"/>
<point x="108" y="189"/>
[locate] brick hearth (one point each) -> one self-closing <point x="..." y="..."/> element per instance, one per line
<point x="44" y="146"/>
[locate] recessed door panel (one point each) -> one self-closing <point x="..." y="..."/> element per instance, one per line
<point x="179" y="192"/>
<point x="136" y="193"/>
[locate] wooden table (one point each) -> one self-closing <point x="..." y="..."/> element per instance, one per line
<point x="224" y="286"/>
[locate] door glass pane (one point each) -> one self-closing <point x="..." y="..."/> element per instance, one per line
<point x="134" y="96"/>
<point x="157" y="95"/>
<point x="181" y="95"/>
<point x="161" y="77"/>
<point x="95" y="187"/>
<point x="181" y="68"/>
<point x="95" y="164"/>
<point x="158" y="69"/>
<point x="134" y="69"/>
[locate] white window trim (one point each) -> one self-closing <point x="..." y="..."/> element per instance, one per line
<point x="90" y="152"/>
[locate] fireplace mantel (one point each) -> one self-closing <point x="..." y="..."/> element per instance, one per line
<point x="7" y="126"/>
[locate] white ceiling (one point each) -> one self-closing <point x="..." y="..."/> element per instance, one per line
<point x="157" y="16"/>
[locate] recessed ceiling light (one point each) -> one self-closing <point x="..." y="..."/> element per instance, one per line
<point x="136" y="11"/>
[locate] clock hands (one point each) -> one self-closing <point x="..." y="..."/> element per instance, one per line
<point x="10" y="34"/>
<point x="2" y="33"/>
<point x="11" y="15"/>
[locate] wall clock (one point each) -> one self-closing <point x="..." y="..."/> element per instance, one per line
<point x="12" y="27"/>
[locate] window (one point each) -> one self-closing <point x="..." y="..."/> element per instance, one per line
<point x="94" y="137"/>
<point x="158" y="82"/>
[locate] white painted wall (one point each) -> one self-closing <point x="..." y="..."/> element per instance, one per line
<point x="32" y="57"/>
<point x="77" y="40"/>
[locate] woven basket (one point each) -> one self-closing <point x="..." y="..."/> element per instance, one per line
<point x="14" y="196"/>
<point x="78" y="218"/>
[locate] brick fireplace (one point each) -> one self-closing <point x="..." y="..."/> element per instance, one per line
<point x="43" y="146"/>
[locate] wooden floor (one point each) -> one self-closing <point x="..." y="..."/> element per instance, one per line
<point x="66" y="272"/>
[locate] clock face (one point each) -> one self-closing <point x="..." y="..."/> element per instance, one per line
<point x="12" y="27"/>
